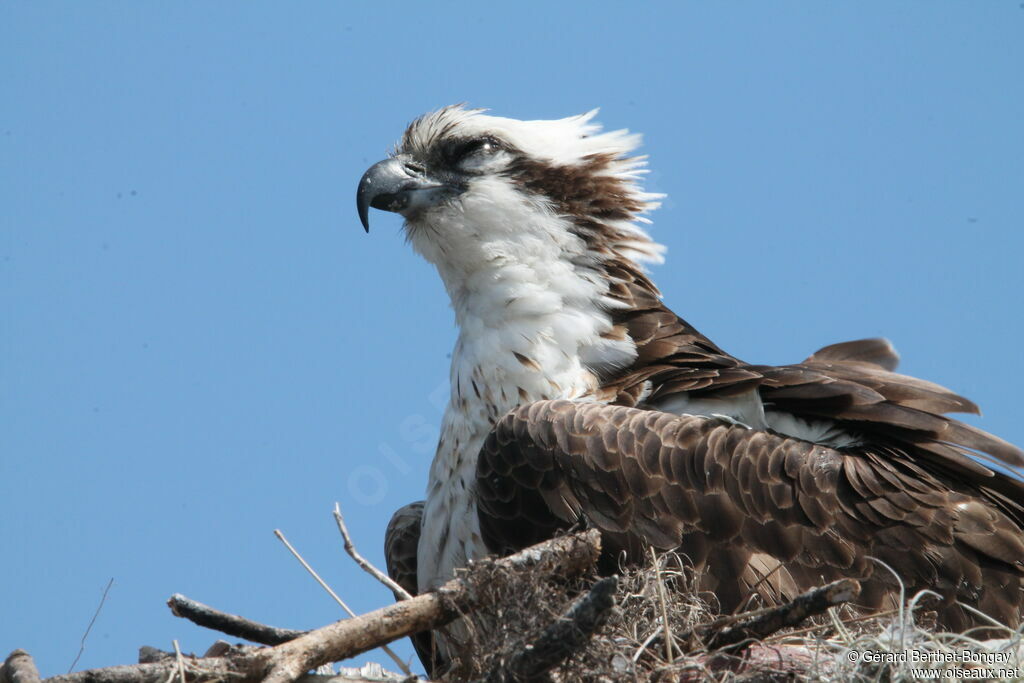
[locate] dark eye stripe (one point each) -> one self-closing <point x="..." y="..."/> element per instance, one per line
<point x="458" y="150"/>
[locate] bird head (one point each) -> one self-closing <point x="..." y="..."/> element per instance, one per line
<point x="477" y="190"/>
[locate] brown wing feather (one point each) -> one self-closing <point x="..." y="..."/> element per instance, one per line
<point x="401" y="540"/>
<point x="747" y="505"/>
<point x="877" y="351"/>
<point x="848" y="382"/>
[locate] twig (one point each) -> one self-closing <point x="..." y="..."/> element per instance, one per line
<point x="663" y="599"/>
<point x="390" y="653"/>
<point x="350" y="548"/>
<point x="647" y="641"/>
<point x="425" y="647"/>
<point x="312" y="572"/>
<point x="19" y="667"/>
<point x="81" y="647"/>
<point x="230" y="624"/>
<point x="562" y="556"/>
<point x="562" y="638"/>
<point x="179" y="660"/>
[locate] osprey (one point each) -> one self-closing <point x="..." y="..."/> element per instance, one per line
<point x="578" y="396"/>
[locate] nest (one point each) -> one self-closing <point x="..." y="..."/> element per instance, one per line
<point x="662" y="629"/>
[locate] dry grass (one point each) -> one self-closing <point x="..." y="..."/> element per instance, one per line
<point x="632" y="645"/>
<point x="899" y="648"/>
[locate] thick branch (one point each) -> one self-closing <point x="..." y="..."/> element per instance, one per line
<point x="563" y="556"/>
<point x="213" y="669"/>
<point x="19" y="668"/>
<point x="562" y="638"/>
<point x="231" y="624"/>
<point x="208" y="668"/>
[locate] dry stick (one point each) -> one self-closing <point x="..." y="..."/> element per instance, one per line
<point x="562" y="556"/>
<point x="792" y="613"/>
<point x="844" y="622"/>
<point x="565" y="556"/>
<point x="350" y="548"/>
<point x="562" y="638"/>
<point x="179" y="660"/>
<point x="764" y="622"/>
<point x="19" y="667"/>
<point x="312" y="572"/>
<point x="390" y="653"/>
<point x="719" y="623"/>
<point x="663" y="599"/>
<point x="647" y="641"/>
<point x="230" y="624"/>
<point x="210" y="668"/>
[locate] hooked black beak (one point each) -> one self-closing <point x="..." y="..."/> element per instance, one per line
<point x="397" y="184"/>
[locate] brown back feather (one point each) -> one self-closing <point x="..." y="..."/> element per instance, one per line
<point x="744" y="503"/>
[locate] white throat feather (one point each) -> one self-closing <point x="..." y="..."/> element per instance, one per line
<point x="524" y="252"/>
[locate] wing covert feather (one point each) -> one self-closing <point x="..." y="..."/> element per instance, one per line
<point x="750" y="497"/>
<point x="401" y="541"/>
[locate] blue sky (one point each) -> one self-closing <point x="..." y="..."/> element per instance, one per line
<point x="200" y="345"/>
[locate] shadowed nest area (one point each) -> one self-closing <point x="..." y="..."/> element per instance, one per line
<point x="660" y="628"/>
<point x="629" y="641"/>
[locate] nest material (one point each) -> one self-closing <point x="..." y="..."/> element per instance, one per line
<point x="633" y="643"/>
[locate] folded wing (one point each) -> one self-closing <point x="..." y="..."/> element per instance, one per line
<point x="760" y="513"/>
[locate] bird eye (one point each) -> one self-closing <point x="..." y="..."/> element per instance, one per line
<point x="477" y="146"/>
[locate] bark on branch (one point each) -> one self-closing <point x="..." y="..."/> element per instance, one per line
<point x="208" y="669"/>
<point x="562" y="638"/>
<point x="762" y="623"/>
<point x="565" y="556"/>
<point x="19" y="668"/>
<point x="230" y="624"/>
